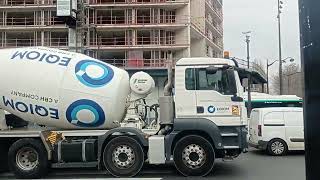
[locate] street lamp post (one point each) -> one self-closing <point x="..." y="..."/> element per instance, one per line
<point x="249" y="78"/>
<point x="268" y="75"/>
<point x="248" y="50"/>
<point x="280" y="48"/>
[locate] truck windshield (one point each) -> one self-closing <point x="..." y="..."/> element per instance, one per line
<point x="200" y="79"/>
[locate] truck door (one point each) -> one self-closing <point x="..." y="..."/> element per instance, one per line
<point x="213" y="94"/>
<point x="185" y="90"/>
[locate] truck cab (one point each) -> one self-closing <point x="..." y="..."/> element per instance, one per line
<point x="209" y="109"/>
<point x="209" y="88"/>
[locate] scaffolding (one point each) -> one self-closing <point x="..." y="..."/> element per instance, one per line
<point x="27" y="2"/>
<point x="141" y="2"/>
<point x="138" y="20"/>
<point x="131" y="34"/>
<point x="28" y="21"/>
<point x="214" y="5"/>
<point x="138" y="41"/>
<point x="27" y="42"/>
<point x="90" y="2"/>
<point x="138" y="63"/>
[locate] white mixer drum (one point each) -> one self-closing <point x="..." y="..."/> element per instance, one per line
<point x="62" y="89"/>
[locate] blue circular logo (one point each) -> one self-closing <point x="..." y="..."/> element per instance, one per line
<point x="211" y="109"/>
<point x="87" y="73"/>
<point x="88" y="105"/>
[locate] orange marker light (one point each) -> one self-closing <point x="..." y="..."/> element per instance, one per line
<point x="226" y="54"/>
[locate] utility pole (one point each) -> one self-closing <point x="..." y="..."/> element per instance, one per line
<point x="280" y="48"/>
<point x="249" y="78"/>
<point x="310" y="49"/>
<point x="268" y="76"/>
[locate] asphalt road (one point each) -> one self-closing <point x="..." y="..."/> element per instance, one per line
<point x="255" y="165"/>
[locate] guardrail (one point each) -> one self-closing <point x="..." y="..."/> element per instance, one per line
<point x="115" y="2"/>
<point x="140" y="40"/>
<point x="90" y="2"/>
<point x="29" y="21"/>
<point x="138" y="20"/>
<point x="27" y="3"/>
<point x="27" y="42"/>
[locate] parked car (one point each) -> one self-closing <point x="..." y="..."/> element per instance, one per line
<point x="277" y="130"/>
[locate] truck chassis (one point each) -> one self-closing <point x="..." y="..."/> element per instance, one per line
<point x="122" y="151"/>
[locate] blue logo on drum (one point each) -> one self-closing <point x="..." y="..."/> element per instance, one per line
<point x="85" y="105"/>
<point x="211" y="109"/>
<point x="93" y="74"/>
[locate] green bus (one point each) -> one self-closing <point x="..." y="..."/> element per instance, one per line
<point x="262" y="100"/>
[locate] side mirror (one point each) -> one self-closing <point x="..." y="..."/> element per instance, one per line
<point x="245" y="82"/>
<point x="211" y="70"/>
<point x="232" y="81"/>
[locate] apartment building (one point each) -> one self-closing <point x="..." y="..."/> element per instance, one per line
<point x="131" y="34"/>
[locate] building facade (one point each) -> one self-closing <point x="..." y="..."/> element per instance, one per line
<point x="293" y="84"/>
<point x="131" y="34"/>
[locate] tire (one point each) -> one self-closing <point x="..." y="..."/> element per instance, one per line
<point x="189" y="162"/>
<point x="27" y="158"/>
<point x="277" y="147"/>
<point x="117" y="155"/>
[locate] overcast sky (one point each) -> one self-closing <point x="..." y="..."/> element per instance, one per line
<point x="259" y="16"/>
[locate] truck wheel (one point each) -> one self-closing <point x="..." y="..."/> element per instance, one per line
<point x="123" y="157"/>
<point x="277" y="147"/>
<point x="193" y="156"/>
<point x="27" y="158"/>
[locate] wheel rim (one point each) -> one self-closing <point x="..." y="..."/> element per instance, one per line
<point x="277" y="147"/>
<point x="27" y="158"/>
<point x="123" y="156"/>
<point x="193" y="156"/>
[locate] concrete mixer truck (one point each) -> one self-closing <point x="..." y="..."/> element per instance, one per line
<point x="82" y="112"/>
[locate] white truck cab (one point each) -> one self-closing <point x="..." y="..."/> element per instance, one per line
<point x="277" y="130"/>
<point x="209" y="93"/>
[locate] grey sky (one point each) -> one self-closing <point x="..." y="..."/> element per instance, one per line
<point x="259" y="16"/>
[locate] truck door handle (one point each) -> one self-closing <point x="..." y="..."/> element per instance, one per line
<point x="200" y="109"/>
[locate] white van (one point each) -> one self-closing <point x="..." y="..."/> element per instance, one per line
<point x="277" y="130"/>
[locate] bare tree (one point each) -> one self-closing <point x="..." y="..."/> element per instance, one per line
<point x="259" y="66"/>
<point x="287" y="71"/>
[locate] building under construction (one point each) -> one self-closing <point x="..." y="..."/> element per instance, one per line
<point x="132" y="34"/>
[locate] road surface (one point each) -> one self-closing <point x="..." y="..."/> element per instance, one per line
<point x="255" y="165"/>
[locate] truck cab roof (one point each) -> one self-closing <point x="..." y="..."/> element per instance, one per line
<point x="204" y="61"/>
